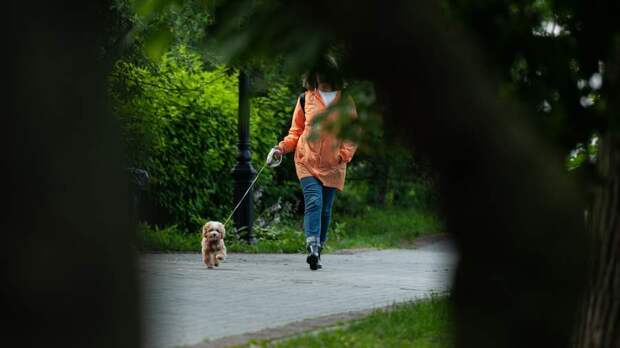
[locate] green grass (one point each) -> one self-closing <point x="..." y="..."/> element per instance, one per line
<point x="383" y="228"/>
<point x="377" y="228"/>
<point x="282" y="239"/>
<point x="419" y="324"/>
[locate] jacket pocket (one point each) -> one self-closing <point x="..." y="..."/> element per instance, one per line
<point x="329" y="158"/>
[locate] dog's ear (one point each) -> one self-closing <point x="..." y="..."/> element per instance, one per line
<point x="206" y="227"/>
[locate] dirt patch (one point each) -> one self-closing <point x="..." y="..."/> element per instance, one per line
<point x="352" y="251"/>
<point x="430" y="239"/>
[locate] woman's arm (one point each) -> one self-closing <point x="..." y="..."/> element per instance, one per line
<point x="297" y="128"/>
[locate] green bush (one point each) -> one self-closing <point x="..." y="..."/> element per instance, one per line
<point x="411" y="187"/>
<point x="152" y="238"/>
<point x="180" y="124"/>
<point x="352" y="200"/>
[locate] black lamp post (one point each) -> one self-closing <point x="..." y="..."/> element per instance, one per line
<point x="243" y="171"/>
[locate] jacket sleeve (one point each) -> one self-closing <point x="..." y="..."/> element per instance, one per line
<point x="348" y="148"/>
<point x="289" y="143"/>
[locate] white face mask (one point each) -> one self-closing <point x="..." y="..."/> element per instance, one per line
<point x="328" y="97"/>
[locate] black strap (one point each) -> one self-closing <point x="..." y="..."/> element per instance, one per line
<point x="302" y="101"/>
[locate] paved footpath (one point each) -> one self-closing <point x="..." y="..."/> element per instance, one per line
<point x="185" y="303"/>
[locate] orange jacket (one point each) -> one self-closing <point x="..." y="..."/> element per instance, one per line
<point x="323" y="156"/>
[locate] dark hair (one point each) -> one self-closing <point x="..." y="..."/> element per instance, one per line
<point x="328" y="69"/>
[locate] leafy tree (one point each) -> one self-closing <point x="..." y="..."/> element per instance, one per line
<point x="68" y="271"/>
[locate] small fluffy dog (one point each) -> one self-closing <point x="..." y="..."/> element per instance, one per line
<point x="213" y="248"/>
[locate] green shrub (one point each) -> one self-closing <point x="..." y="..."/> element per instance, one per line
<point x="352" y="200"/>
<point x="180" y="124"/>
<point x="152" y="238"/>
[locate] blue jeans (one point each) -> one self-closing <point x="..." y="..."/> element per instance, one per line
<point x="318" y="201"/>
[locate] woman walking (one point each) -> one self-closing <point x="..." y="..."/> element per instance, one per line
<point x="320" y="157"/>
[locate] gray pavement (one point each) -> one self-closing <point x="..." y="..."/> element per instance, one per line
<point x="185" y="303"/>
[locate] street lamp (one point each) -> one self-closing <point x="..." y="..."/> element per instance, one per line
<point x="243" y="172"/>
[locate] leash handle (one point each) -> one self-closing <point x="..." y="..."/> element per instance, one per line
<point x="272" y="160"/>
<point x="245" y="194"/>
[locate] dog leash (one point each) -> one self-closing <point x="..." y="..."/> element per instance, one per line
<point x="249" y="188"/>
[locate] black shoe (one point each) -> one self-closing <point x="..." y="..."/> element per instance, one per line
<point x="318" y="264"/>
<point x="313" y="257"/>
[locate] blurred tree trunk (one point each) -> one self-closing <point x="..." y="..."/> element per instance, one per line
<point x="599" y="324"/>
<point x="600" y="321"/>
<point x="69" y="258"/>
<point x="514" y="212"/>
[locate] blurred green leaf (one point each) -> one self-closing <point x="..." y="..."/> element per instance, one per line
<point x="157" y="42"/>
<point x="148" y="8"/>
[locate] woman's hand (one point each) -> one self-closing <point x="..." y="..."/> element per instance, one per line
<point x="274" y="158"/>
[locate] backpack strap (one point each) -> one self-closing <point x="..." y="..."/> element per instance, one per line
<point x="302" y="101"/>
